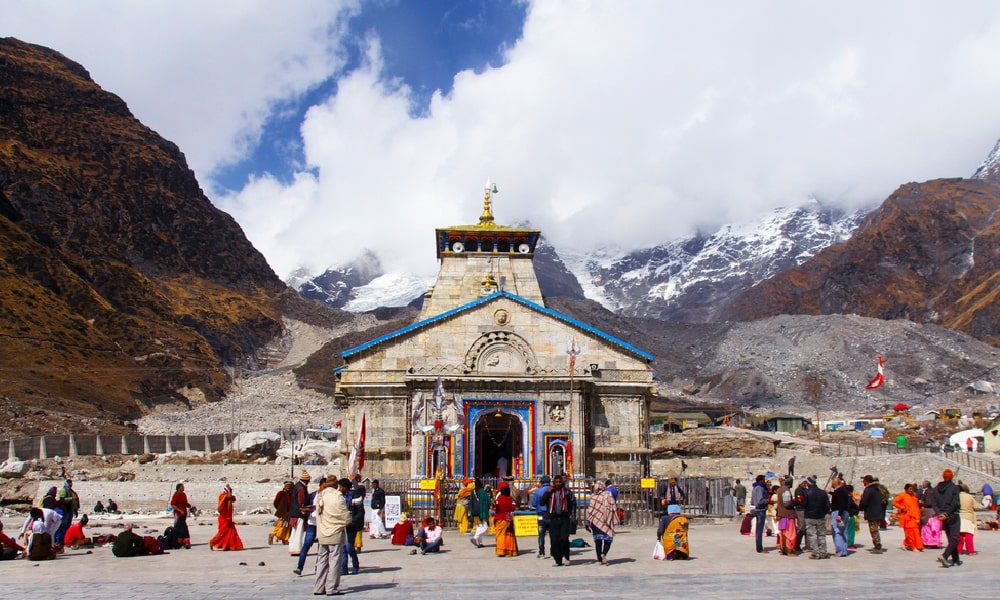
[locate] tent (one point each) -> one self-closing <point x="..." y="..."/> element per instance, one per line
<point x="900" y="407"/>
<point x="961" y="437"/>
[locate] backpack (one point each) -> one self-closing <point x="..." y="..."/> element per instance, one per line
<point x="169" y="539"/>
<point x="884" y="492"/>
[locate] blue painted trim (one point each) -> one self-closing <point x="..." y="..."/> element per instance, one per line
<point x="485" y="299"/>
<point x="340" y="369"/>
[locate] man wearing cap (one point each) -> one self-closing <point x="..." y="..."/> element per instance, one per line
<point x="332" y="517"/>
<point x="946" y="504"/>
<point x="298" y="512"/>
<point x="543" y="512"/>
<point x="871" y="504"/>
<point x="817" y="505"/>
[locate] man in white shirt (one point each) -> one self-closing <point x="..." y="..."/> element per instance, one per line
<point x="429" y="537"/>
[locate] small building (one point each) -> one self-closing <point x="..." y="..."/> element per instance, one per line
<point x="782" y="422"/>
<point x="674" y="422"/>
<point x="991" y="436"/>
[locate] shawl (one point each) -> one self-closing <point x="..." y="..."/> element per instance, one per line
<point x="557" y="502"/>
<point x="602" y="513"/>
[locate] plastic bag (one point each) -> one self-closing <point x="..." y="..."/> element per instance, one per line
<point x="658" y="553"/>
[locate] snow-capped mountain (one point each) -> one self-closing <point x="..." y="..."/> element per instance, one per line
<point x="691" y="279"/>
<point x="990" y="169"/>
<point x="683" y="280"/>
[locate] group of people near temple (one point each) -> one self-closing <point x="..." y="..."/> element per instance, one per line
<point x="801" y="516"/>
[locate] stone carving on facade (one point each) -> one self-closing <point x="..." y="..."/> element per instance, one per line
<point x="500" y="352"/>
<point x="557" y="413"/>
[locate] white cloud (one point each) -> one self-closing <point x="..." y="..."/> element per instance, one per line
<point x="205" y="75"/>
<point x="628" y="123"/>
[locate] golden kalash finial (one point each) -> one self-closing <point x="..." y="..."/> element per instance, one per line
<point x="487" y="217"/>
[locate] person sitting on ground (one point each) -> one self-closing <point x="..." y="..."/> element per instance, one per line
<point x="402" y="531"/>
<point x="45" y="519"/>
<point x="99" y="507"/>
<point x="40" y="545"/>
<point x="673" y="534"/>
<point x="429" y="538"/>
<point x="112" y="507"/>
<point x="128" y="544"/>
<point x="9" y="549"/>
<point x="74" y="535"/>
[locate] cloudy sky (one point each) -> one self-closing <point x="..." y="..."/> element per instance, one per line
<point x="325" y="127"/>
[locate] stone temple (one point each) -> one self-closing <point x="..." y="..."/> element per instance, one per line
<point x="488" y="381"/>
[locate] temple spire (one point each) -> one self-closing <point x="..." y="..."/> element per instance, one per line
<point x="487" y="217"/>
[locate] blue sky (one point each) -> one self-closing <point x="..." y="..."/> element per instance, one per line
<point x="430" y="42"/>
<point x="326" y="127"/>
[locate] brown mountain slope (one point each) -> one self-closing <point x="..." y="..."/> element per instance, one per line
<point x="930" y="253"/>
<point x="122" y="289"/>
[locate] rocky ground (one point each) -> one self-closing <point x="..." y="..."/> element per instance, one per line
<point x="261" y="400"/>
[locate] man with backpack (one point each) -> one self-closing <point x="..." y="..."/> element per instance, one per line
<point x="873" y="505"/>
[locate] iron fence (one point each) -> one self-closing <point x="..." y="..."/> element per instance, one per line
<point x="978" y="461"/>
<point x="706" y="497"/>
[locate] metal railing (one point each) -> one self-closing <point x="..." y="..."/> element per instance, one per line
<point x="988" y="464"/>
<point x="706" y="497"/>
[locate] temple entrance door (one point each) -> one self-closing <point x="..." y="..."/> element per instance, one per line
<point x="557" y="459"/>
<point x="500" y="443"/>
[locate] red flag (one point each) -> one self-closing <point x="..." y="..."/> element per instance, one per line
<point x="879" y="379"/>
<point x="569" y="457"/>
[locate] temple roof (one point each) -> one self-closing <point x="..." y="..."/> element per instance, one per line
<point x="486" y="299"/>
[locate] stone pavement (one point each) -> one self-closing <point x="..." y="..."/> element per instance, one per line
<point x="723" y="564"/>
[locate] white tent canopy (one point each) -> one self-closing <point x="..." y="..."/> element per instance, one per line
<point x="961" y="437"/>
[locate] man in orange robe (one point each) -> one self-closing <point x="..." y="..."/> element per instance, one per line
<point x="908" y="513"/>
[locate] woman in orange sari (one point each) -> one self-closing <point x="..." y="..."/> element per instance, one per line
<point x="908" y="512"/>
<point x="504" y="523"/>
<point x="462" y="505"/>
<point x="226" y="538"/>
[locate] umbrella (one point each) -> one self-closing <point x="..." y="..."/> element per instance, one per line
<point x="901" y="406"/>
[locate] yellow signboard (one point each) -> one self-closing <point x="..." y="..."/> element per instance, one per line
<point x="525" y="525"/>
<point x="427" y="484"/>
<point x="647" y="483"/>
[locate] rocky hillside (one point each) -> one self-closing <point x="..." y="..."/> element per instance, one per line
<point x="766" y="364"/>
<point x="122" y="289"/>
<point x="930" y="254"/>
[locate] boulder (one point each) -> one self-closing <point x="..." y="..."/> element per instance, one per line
<point x="14" y="467"/>
<point x="263" y="443"/>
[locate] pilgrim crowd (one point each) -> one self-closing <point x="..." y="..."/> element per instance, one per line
<point x="332" y="517"/>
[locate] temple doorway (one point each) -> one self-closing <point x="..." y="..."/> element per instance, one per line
<point x="500" y="443"/>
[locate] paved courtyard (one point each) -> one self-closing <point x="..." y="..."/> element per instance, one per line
<point x="723" y="564"/>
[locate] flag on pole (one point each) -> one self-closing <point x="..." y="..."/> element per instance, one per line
<point x="879" y="379"/>
<point x="569" y="457"/>
<point x="356" y="461"/>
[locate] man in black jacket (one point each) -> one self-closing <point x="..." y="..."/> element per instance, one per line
<point x="817" y="505"/>
<point x="873" y="505"/>
<point x="561" y="505"/>
<point x="946" y="504"/>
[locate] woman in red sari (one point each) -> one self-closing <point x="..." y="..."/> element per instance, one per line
<point x="504" y="523"/>
<point x="226" y="538"/>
